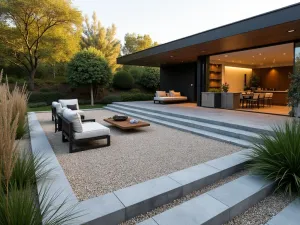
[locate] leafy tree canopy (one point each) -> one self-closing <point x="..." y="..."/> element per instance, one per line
<point x="89" y="67"/>
<point x="136" y="42"/>
<point x="101" y="38"/>
<point x="34" y="30"/>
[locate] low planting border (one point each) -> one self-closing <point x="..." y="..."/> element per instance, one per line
<point x="121" y="205"/>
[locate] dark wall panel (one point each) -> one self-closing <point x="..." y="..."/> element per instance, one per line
<point x="277" y="77"/>
<point x="181" y="77"/>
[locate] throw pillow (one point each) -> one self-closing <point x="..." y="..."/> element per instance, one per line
<point x="72" y="107"/>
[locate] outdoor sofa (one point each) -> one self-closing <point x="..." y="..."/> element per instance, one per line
<point x="76" y="130"/>
<point x="172" y="96"/>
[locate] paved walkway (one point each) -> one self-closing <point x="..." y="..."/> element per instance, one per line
<point x="256" y="120"/>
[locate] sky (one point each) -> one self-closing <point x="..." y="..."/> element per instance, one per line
<point x="168" y="20"/>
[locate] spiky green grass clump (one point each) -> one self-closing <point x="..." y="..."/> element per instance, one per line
<point x="278" y="157"/>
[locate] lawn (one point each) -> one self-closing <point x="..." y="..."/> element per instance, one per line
<point x="48" y="108"/>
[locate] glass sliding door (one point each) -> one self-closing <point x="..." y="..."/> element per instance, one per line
<point x="297" y="58"/>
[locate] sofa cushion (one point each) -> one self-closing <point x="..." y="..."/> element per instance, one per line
<point x="171" y="93"/>
<point x="92" y="129"/>
<point x="161" y="94"/>
<point x="73" y="117"/>
<point x="176" y="94"/>
<point x="72" y="107"/>
<point x="170" y="99"/>
<point x="65" y="102"/>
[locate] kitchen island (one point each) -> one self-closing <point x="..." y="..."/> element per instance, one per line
<point x="279" y="97"/>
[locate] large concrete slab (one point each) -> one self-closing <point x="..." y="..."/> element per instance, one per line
<point x="203" y="209"/>
<point x="148" y="222"/>
<point x="290" y="215"/>
<point x="242" y="193"/>
<point x="196" y="177"/>
<point x="103" y="210"/>
<point x="143" y="197"/>
<point x="231" y="163"/>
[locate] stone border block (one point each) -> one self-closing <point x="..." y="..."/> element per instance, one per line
<point x="103" y="210"/>
<point x="289" y="215"/>
<point x="144" y="197"/>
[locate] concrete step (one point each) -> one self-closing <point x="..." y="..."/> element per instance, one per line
<point x="217" y="206"/>
<point x="212" y="135"/>
<point x="199" y="119"/>
<point x="290" y="215"/>
<point x="223" y="130"/>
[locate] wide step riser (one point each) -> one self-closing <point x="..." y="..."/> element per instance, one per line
<point x="178" y="128"/>
<point x="244" y="128"/>
<point x="197" y="126"/>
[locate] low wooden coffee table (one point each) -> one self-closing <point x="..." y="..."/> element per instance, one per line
<point x="126" y="125"/>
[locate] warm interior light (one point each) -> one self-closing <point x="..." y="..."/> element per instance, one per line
<point x="225" y="55"/>
<point x="284" y="53"/>
<point x="259" y="53"/>
<point x="291" y="31"/>
<point x="171" y="56"/>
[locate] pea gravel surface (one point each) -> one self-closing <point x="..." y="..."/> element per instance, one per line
<point x="133" y="157"/>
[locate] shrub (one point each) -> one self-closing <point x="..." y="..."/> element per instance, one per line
<point x="47" y="97"/>
<point x="123" y="80"/>
<point x="110" y="99"/>
<point x="150" y="78"/>
<point x="136" y="73"/>
<point x="278" y="157"/>
<point x="127" y="97"/>
<point x="135" y="90"/>
<point x="45" y="90"/>
<point x="37" y="104"/>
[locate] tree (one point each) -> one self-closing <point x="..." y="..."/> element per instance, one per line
<point x="31" y="29"/>
<point x="103" y="39"/>
<point x="136" y="42"/>
<point x="89" y="67"/>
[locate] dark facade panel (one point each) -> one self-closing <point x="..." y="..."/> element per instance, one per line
<point x="181" y="78"/>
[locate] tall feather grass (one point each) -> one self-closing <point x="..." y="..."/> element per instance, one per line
<point x="278" y="157"/>
<point x="19" y="172"/>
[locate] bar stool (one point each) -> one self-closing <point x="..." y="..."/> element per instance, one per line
<point x="262" y="98"/>
<point x="269" y="98"/>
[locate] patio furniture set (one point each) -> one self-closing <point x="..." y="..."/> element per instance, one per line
<point x="250" y="99"/>
<point x="70" y="120"/>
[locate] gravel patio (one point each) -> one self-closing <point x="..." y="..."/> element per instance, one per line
<point x="133" y="157"/>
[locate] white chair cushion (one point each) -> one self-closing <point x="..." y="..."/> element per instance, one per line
<point x="54" y="104"/>
<point x="73" y="117"/>
<point x="80" y="112"/>
<point x="58" y="108"/>
<point x="65" y="102"/>
<point x="171" y="93"/>
<point x="161" y="94"/>
<point x="90" y="130"/>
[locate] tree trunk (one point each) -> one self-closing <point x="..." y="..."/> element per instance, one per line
<point x="31" y="80"/>
<point x="92" y="95"/>
<point x="54" y="71"/>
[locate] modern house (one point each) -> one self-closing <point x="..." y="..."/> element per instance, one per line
<point x="265" y="46"/>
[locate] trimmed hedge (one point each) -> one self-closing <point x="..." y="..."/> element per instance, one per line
<point x="150" y="78"/>
<point x="110" y="99"/>
<point x="47" y="97"/>
<point x="127" y="97"/>
<point x="123" y="80"/>
<point x="37" y="104"/>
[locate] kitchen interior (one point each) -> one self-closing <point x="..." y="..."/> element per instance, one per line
<point x="262" y="70"/>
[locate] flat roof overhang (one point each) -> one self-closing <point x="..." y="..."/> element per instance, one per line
<point x="263" y="30"/>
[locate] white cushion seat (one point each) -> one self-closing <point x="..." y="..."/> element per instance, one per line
<point x="90" y="130"/>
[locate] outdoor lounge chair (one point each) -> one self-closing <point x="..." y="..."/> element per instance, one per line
<point x="76" y="130"/>
<point x="172" y="96"/>
<point x="57" y="110"/>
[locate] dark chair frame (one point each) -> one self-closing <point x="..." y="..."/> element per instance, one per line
<point x="67" y="135"/>
<point x="53" y="109"/>
<point x="58" y="122"/>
